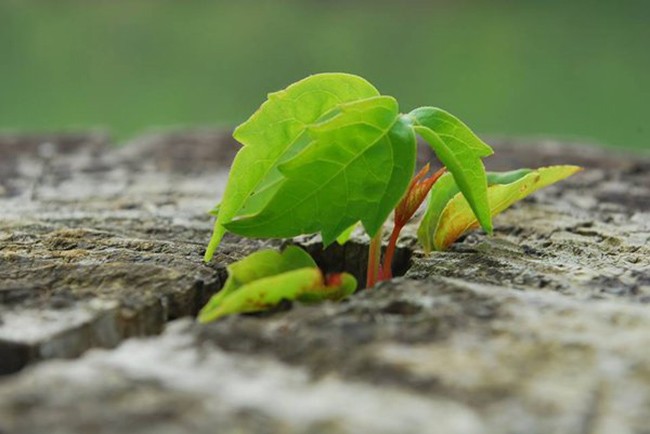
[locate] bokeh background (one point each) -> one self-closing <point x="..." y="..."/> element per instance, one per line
<point x="575" y="70"/>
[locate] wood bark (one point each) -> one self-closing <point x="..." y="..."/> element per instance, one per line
<point x="543" y="327"/>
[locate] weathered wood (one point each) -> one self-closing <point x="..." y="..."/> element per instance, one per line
<point x="544" y="327"/>
<point x="100" y="243"/>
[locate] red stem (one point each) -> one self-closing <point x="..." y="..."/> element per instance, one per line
<point x="390" y="252"/>
<point x="374" y="259"/>
<point x="416" y="193"/>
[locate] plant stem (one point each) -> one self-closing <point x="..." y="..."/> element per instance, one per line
<point x="407" y="206"/>
<point x="374" y="259"/>
<point x="390" y="252"/>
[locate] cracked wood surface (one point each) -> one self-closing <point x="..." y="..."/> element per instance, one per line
<point x="544" y="327"/>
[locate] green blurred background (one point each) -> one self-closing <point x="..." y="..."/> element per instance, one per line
<point x="567" y="69"/>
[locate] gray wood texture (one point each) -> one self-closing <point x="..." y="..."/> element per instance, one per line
<point x="542" y="328"/>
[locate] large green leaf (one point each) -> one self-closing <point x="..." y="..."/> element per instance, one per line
<point x="449" y="215"/>
<point x="460" y="150"/>
<point x="404" y="149"/>
<point x="272" y="134"/>
<point x="263" y="279"/>
<point x="356" y="169"/>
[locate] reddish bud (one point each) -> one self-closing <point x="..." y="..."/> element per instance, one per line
<point x="415" y="194"/>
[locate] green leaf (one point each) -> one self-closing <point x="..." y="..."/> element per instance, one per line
<point x="449" y="215"/>
<point x="507" y="177"/>
<point x="214" y="212"/>
<point x="460" y="150"/>
<point x="443" y="191"/>
<point x="404" y="149"/>
<point x="258" y="265"/>
<point x="356" y="169"/>
<point x="273" y="134"/>
<point x="346" y="234"/>
<point x="263" y="279"/>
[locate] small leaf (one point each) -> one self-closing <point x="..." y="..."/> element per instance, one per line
<point x="443" y="191"/>
<point x="265" y="293"/>
<point x="273" y="134"/>
<point x="356" y="169"/>
<point x="256" y="266"/>
<point x="460" y="150"/>
<point x="346" y="234"/>
<point x="263" y="279"/>
<point x="449" y="215"/>
<point x="214" y="212"/>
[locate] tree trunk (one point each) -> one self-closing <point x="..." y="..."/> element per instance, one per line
<point x="542" y="328"/>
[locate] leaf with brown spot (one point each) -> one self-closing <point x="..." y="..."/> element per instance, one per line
<point x="265" y="278"/>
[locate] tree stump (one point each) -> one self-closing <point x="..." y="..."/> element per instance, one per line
<point x="542" y="328"/>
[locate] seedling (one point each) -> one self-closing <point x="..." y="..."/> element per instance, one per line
<point x="263" y="279"/>
<point x="329" y="152"/>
